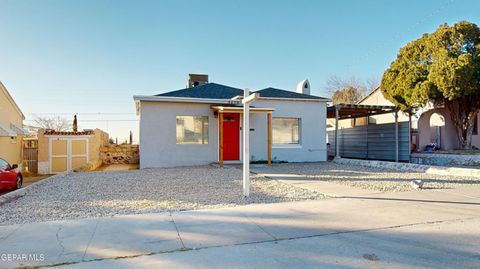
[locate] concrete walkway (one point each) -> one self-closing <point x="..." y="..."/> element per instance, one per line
<point x="429" y="229"/>
<point x="325" y="187"/>
<point x="117" y="167"/>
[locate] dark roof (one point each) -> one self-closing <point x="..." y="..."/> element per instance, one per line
<point x="278" y="93"/>
<point x="209" y="90"/>
<point x="218" y="91"/>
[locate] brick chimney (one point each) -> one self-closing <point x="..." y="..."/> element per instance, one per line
<point x="194" y="80"/>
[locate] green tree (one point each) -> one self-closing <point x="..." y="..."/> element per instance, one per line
<point x="443" y="68"/>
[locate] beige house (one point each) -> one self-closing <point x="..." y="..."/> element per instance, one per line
<point x="60" y="152"/>
<point x="11" y="128"/>
<point x="430" y="125"/>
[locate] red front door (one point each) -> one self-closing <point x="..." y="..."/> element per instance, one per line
<point x="231" y="136"/>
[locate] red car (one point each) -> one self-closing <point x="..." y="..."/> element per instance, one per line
<point x="10" y="178"/>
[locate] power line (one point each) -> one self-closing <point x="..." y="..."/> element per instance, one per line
<point x="94" y="120"/>
<point x="86" y="113"/>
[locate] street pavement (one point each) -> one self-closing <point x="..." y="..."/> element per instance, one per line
<point x="418" y="229"/>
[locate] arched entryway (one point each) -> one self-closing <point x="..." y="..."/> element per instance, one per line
<point x="436" y="127"/>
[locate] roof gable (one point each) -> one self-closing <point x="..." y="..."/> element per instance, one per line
<point x="375" y="97"/>
<point x="10" y="99"/>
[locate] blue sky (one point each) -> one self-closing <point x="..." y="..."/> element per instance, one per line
<point x="87" y="57"/>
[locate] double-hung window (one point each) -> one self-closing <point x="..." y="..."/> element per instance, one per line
<point x="286" y="131"/>
<point x="192" y="129"/>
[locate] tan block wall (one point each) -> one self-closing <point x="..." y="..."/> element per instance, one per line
<point x="42" y="146"/>
<point x="98" y="141"/>
<point x="8" y="112"/>
<point x="11" y="152"/>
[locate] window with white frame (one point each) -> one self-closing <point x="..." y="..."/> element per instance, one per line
<point x="286" y="131"/>
<point x="192" y="129"/>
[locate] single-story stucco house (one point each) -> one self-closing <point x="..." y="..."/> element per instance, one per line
<point x="202" y="124"/>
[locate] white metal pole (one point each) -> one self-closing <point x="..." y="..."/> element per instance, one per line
<point x="396" y="137"/>
<point x="337" y="143"/>
<point x="246" y="145"/>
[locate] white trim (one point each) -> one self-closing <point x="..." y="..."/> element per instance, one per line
<point x="294" y="99"/>
<point x="149" y="98"/>
<point x="238" y="109"/>
<point x="287" y="146"/>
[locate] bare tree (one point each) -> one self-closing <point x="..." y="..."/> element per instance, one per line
<point x="351" y="90"/>
<point x="347" y="96"/>
<point x="56" y="123"/>
<point x="335" y="83"/>
<point x="373" y="83"/>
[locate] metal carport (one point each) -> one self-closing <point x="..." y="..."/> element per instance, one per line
<point x="351" y="111"/>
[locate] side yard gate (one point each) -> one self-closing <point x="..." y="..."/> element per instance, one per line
<point x="30" y="156"/>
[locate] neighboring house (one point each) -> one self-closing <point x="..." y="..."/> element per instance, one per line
<point x="430" y="125"/>
<point x="11" y="128"/>
<point x="181" y="128"/>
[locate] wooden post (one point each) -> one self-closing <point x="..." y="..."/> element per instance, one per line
<point x="269" y="138"/>
<point x="220" y="139"/>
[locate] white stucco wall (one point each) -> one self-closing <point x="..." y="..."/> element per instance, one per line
<point x="158" y="146"/>
<point x="312" y="146"/>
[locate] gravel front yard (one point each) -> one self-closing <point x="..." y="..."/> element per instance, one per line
<point x="95" y="194"/>
<point x="366" y="177"/>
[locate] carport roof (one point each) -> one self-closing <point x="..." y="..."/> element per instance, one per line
<point x="348" y="111"/>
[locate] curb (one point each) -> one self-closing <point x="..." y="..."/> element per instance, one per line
<point x="14" y="195"/>
<point x="411" y="167"/>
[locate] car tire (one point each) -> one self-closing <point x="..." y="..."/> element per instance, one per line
<point x="19" y="182"/>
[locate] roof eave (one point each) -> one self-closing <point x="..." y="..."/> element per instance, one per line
<point x="148" y="98"/>
<point x="294" y="99"/>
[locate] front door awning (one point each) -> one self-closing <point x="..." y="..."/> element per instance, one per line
<point x="239" y="109"/>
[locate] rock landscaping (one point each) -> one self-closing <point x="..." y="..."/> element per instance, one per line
<point x="372" y="178"/>
<point x="119" y="154"/>
<point x="96" y="194"/>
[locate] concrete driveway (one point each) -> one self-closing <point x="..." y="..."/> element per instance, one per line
<point x="427" y="229"/>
